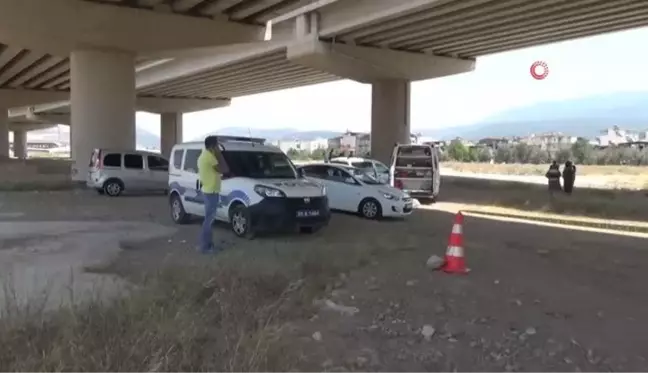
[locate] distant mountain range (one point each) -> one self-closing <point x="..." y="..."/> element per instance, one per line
<point x="61" y="133"/>
<point x="584" y="117"/>
<point x="274" y="134"/>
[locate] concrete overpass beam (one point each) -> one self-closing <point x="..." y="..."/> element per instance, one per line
<point x="73" y="24"/>
<point x="20" y="144"/>
<point x="179" y="105"/>
<point x="4" y="133"/>
<point x="170" y="132"/>
<point x="366" y="64"/>
<point x="390" y="117"/>
<point x="102" y="103"/>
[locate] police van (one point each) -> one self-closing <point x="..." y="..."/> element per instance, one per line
<point x="263" y="190"/>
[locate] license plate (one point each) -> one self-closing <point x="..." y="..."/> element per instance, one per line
<point x="420" y="173"/>
<point x="408" y="205"/>
<point x="307" y="213"/>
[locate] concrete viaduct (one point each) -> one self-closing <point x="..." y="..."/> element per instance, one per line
<point x="93" y="63"/>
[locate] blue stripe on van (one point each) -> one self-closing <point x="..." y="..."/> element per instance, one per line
<point x="196" y="196"/>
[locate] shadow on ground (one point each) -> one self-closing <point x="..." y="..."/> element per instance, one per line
<point x="537" y="298"/>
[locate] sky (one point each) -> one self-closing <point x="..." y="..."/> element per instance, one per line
<point x="602" y="64"/>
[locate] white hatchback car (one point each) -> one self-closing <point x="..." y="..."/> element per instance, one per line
<point x="377" y="169"/>
<point x="354" y="190"/>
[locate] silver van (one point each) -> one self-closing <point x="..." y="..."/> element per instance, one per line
<point x="114" y="171"/>
<point x="415" y="170"/>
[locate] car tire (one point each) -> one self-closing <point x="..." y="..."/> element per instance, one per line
<point x="113" y="187"/>
<point x="241" y="222"/>
<point x="178" y="213"/>
<point x="370" y="209"/>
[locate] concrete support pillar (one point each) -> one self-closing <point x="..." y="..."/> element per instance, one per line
<point x="4" y="133"/>
<point x="170" y="132"/>
<point x="20" y="144"/>
<point x="390" y="117"/>
<point x="103" y="104"/>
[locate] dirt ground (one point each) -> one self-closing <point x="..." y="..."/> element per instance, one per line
<point x="536" y="299"/>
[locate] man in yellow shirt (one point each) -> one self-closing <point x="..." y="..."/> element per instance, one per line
<point x="210" y="169"/>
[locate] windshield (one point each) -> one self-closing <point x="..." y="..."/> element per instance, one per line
<point x="259" y="165"/>
<point x="364" y="175"/>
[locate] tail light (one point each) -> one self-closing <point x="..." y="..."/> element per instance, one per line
<point x="398" y="184"/>
<point x="99" y="160"/>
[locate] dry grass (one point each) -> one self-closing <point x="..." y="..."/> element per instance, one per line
<point x="540" y="170"/>
<point x="229" y="315"/>
<point x="598" y="203"/>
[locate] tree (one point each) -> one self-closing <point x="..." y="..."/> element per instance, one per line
<point x="318" y="154"/>
<point x="563" y="155"/>
<point x="504" y="154"/>
<point x="583" y="152"/>
<point x="457" y="151"/>
<point x="292" y="153"/>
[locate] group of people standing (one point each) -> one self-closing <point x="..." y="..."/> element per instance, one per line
<point x="568" y="174"/>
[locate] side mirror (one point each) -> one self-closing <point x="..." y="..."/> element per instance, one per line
<point x="301" y="173"/>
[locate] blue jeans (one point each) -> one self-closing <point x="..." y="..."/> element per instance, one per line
<point x="206" y="233"/>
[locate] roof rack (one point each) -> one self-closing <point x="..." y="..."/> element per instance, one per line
<point x="256" y="140"/>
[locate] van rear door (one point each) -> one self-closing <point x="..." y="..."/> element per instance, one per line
<point x="414" y="170"/>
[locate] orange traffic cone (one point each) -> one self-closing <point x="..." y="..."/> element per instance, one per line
<point x="454" y="258"/>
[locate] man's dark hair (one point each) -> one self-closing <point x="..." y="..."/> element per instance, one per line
<point x="211" y="142"/>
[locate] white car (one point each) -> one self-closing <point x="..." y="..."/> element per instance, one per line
<point x="262" y="192"/>
<point x="377" y="169"/>
<point x="354" y="190"/>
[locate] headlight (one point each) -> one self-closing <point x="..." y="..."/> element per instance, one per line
<point x="265" y="191"/>
<point x="389" y="196"/>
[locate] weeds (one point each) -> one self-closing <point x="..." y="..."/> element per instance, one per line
<point x="601" y="203"/>
<point x="231" y="314"/>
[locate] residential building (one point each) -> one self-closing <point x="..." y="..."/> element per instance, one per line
<point x="550" y="141"/>
<point x="493" y="142"/>
<point x="616" y="136"/>
<point x="301" y="145"/>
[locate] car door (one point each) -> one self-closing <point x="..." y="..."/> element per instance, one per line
<point x="345" y="193"/>
<point x="158" y="168"/>
<point x="192" y="199"/>
<point x="135" y="176"/>
<point x="382" y="172"/>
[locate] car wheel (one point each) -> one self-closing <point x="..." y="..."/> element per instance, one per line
<point x="370" y="209"/>
<point x="113" y="188"/>
<point x="240" y="222"/>
<point x="178" y="213"/>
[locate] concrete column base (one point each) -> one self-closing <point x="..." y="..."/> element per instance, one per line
<point x="390" y="118"/>
<point x="103" y="104"/>
<point x="20" y="144"/>
<point x="170" y="132"/>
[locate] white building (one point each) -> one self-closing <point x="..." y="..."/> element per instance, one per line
<point x="550" y="140"/>
<point x="301" y="145"/>
<point x="616" y="136"/>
